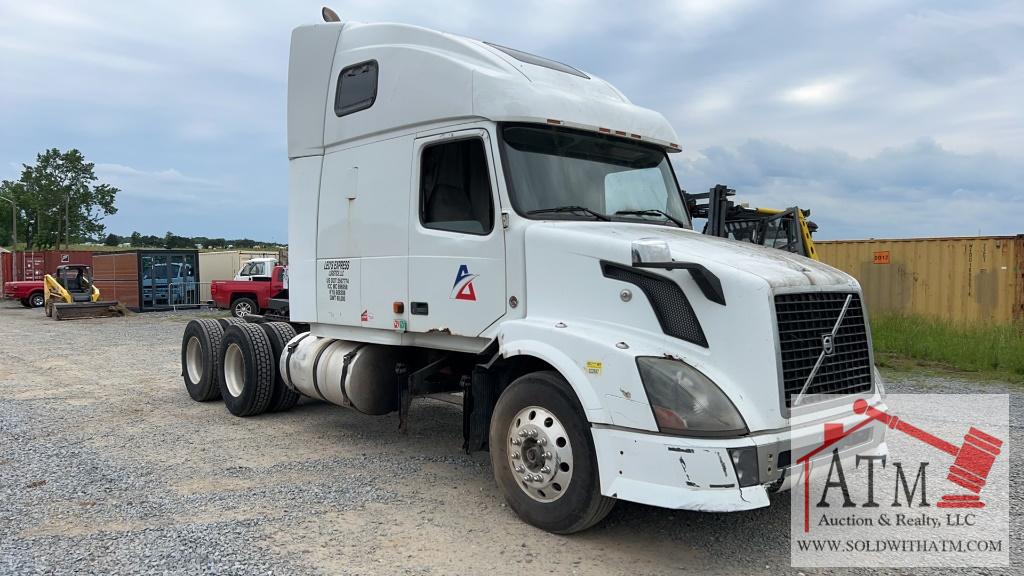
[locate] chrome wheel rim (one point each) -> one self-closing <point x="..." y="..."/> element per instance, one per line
<point x="540" y="454"/>
<point x="242" y="308"/>
<point x="234" y="370"/>
<point x="194" y="360"/>
<point x="37" y="301"/>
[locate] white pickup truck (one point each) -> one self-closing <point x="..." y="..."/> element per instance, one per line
<point x="256" y="269"/>
<point x="469" y="218"/>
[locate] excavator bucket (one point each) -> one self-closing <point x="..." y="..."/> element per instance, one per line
<point x="77" y="310"/>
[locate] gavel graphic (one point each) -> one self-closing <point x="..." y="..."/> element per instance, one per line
<point x="972" y="464"/>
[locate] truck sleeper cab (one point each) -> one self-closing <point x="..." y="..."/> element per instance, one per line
<point x="469" y="218"/>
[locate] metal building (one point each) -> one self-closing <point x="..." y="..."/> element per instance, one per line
<point x="146" y="280"/>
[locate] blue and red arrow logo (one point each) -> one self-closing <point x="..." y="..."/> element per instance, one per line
<point x="463" y="287"/>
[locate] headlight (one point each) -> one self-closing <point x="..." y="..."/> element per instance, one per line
<point x="685" y="401"/>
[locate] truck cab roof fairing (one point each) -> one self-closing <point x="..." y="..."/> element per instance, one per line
<point x="427" y="76"/>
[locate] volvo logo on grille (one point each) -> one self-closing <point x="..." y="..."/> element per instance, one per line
<point x="827" y="344"/>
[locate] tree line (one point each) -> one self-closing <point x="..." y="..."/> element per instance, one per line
<point x="173" y="241"/>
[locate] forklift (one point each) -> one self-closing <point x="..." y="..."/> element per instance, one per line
<point x="788" y="229"/>
<point x="70" y="294"/>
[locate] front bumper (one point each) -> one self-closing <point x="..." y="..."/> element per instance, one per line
<point x="698" y="473"/>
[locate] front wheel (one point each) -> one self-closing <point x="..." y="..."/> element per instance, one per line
<point x="36" y="300"/>
<point x="543" y="455"/>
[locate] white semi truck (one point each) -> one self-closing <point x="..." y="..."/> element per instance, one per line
<point x="472" y="219"/>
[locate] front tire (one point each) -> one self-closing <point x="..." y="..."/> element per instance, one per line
<point x="247" y="370"/>
<point x="36" y="300"/>
<point x="200" y="359"/>
<point x="243" y="306"/>
<point x="543" y="455"/>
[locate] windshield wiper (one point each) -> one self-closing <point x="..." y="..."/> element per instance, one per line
<point x="651" y="212"/>
<point x="584" y="209"/>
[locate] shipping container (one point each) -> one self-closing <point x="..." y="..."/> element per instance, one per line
<point x="34" y="264"/>
<point x="117" y="277"/>
<point x="145" y="280"/>
<point x="6" y="266"/>
<point x="973" y="279"/>
<point x="224" y="265"/>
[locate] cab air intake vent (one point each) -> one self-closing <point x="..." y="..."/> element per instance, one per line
<point x="675" y="315"/>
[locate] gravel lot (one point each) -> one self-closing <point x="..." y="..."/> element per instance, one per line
<point x="107" y="466"/>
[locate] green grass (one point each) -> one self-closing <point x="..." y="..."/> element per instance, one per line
<point x="991" y="350"/>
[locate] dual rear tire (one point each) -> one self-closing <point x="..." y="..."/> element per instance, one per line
<point x="237" y="362"/>
<point x="247" y="380"/>
<point x="201" y="358"/>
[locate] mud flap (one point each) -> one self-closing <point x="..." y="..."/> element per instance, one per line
<point x="486" y="383"/>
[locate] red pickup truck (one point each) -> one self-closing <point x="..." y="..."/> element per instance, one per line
<point x="29" y="292"/>
<point x="252" y="296"/>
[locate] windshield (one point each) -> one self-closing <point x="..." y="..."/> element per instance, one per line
<point x="589" y="176"/>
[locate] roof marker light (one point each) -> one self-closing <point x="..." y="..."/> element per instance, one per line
<point x="637" y="136"/>
<point x="605" y="130"/>
<point x="555" y="122"/>
<point x="620" y="133"/>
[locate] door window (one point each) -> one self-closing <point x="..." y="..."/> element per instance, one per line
<point x="455" y="189"/>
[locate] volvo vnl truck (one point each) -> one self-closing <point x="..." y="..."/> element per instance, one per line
<point x="471" y="219"/>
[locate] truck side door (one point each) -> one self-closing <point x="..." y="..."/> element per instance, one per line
<point x="456" y="241"/>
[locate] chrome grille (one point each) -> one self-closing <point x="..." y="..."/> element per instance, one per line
<point x="802" y="321"/>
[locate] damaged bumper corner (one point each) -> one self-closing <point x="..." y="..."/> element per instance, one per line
<point x="699" y="473"/>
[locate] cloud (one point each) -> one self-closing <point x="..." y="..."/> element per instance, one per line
<point x="817" y="93"/>
<point x="157" y="178"/>
<point x="919" y="189"/>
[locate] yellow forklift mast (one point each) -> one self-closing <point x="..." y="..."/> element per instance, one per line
<point x="787" y="229"/>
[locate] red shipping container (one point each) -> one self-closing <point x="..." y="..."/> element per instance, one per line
<point x="6" y="267"/>
<point x="34" y="264"/>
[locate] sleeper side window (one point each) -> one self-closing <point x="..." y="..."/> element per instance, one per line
<point x="357" y="88"/>
<point x="455" y="188"/>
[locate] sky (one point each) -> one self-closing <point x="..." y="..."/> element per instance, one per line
<point x="884" y="118"/>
